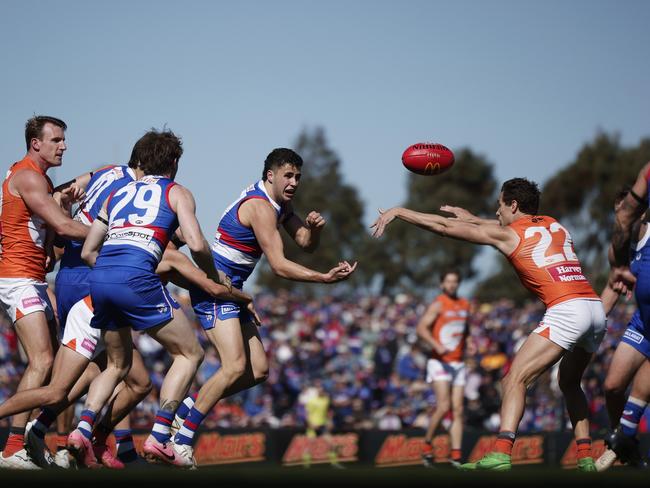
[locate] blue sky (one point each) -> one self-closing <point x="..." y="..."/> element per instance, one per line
<point x="524" y="83"/>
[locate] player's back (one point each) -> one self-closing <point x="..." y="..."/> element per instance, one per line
<point x="235" y="249"/>
<point x="546" y="262"/>
<point x="22" y="233"/>
<point x="140" y="224"/>
<point x="102" y="184"/>
<point x="449" y="328"/>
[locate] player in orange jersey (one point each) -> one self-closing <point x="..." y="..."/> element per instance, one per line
<point x="541" y="251"/>
<point x="28" y="218"/>
<point x="444" y="328"/>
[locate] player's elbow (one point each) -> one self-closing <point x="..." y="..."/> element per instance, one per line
<point x="278" y="267"/>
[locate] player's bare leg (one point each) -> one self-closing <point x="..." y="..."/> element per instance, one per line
<point x="68" y="366"/>
<point x="536" y="355"/>
<point x="572" y="367"/>
<point x="456" y="428"/>
<point x="36" y="336"/>
<point x="119" y="353"/>
<point x="625" y="363"/>
<point x="623" y="440"/>
<point x="135" y="387"/>
<point x="442" y="390"/>
<point x="243" y="365"/>
<point x="180" y="341"/>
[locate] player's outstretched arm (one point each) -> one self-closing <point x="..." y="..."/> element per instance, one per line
<point x="306" y="233"/>
<point x="177" y="268"/>
<point x="182" y="202"/>
<point x="423" y="328"/>
<point x="627" y="213"/>
<point x="260" y="216"/>
<point x="466" y="216"/>
<point x="95" y="238"/>
<point x="33" y="189"/>
<point x="502" y="238"/>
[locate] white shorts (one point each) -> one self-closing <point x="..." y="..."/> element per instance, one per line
<point x="453" y="372"/>
<point x="22" y="296"/>
<point x="78" y="335"/>
<point x="578" y="322"/>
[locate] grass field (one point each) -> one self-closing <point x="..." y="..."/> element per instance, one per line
<point x="221" y="477"/>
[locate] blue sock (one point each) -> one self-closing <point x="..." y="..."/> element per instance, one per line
<point x="86" y="423"/>
<point x="632" y="413"/>
<point x="161" y="426"/>
<point x="124" y="445"/>
<point x="186" y="406"/>
<point x="189" y="427"/>
<point x="42" y="423"/>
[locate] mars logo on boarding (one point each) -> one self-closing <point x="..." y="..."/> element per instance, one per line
<point x="317" y="449"/>
<point x="213" y="448"/>
<point x="570" y="458"/>
<point x="400" y="450"/>
<point x="527" y="449"/>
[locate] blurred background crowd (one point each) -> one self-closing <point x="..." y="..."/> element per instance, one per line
<point x="365" y="352"/>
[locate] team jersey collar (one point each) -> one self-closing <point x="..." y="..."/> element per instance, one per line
<point x="33" y="164"/>
<point x="260" y="185"/>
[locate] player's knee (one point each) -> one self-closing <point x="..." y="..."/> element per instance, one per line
<point x="196" y="356"/>
<point x="613" y="387"/>
<point x="54" y="396"/>
<point x="43" y="365"/>
<point x="235" y="368"/>
<point x="443" y="405"/>
<point x="457" y="412"/>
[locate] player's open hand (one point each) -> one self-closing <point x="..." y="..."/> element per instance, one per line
<point x="340" y="272"/>
<point x="385" y="217"/>
<point x="315" y="221"/>
<point x="458" y="213"/>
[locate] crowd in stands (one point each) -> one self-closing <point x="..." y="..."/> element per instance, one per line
<point x="365" y="351"/>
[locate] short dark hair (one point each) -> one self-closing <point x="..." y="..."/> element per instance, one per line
<point x="34" y="127"/>
<point x="279" y="157"/>
<point x="157" y="152"/>
<point x="446" y="272"/>
<point x="525" y="192"/>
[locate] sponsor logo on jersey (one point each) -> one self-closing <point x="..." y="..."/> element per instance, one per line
<point x="225" y="309"/>
<point x="31" y="302"/>
<point x="633" y="336"/>
<point x="88" y="345"/>
<point x="566" y="273"/>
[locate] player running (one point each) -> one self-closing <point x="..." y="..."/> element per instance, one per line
<point x="124" y="246"/>
<point x="248" y="229"/>
<point x="541" y="251"/>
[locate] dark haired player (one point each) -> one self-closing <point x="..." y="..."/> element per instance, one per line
<point x="541" y="251"/>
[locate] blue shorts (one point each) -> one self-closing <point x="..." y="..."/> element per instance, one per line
<point x="637" y="335"/>
<point x="124" y="297"/>
<point x="208" y="309"/>
<point x="70" y="286"/>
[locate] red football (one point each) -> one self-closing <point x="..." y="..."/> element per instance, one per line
<point x="427" y="158"/>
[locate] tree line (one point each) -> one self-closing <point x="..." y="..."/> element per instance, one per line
<point x="581" y="196"/>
